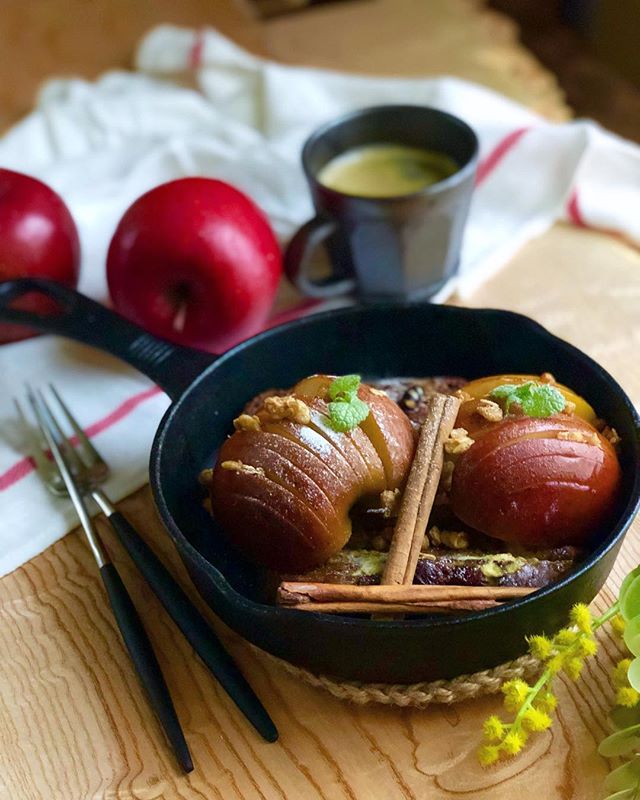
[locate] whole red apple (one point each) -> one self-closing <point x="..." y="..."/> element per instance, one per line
<point x="195" y="261"/>
<point x="38" y="238"/>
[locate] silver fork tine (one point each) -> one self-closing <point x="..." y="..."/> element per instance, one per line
<point x="87" y="451"/>
<point x="45" y="467"/>
<point x="75" y="464"/>
<point x="47" y="426"/>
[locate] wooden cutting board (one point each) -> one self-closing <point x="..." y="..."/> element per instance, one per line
<point x="74" y="724"/>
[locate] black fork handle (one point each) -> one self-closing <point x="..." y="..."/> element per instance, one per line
<point x="146" y="664"/>
<point x="171" y="366"/>
<point x="193" y="625"/>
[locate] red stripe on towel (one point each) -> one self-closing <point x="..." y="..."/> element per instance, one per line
<point x="487" y="165"/>
<point x="574" y="212"/>
<point x="194" y="60"/>
<point x="26" y="466"/>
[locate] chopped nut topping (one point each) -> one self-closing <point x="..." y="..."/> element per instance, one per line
<point x="547" y="377"/>
<point x="455" y="540"/>
<point x="238" y="466"/>
<point x="462" y="395"/>
<point x="489" y="410"/>
<point x="579" y="436"/>
<point x="611" y="435"/>
<point x="389" y="500"/>
<point x="247" y="422"/>
<point x="569" y="407"/>
<point x="288" y="407"/>
<point x="446" y="475"/>
<point x="458" y="442"/>
<point x="379" y="392"/>
<point x="205" y="477"/>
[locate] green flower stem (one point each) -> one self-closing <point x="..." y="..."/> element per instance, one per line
<point x="608" y="614"/>
<point x="537" y="687"/>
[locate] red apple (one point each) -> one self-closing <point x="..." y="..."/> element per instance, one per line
<point x="38" y="238"/>
<point x="195" y="261"/>
<point x="537" y="482"/>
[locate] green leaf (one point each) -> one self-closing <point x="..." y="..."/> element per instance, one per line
<point x="344" y="387"/>
<point x="535" y="400"/>
<point x="543" y="401"/>
<point x="633" y="674"/>
<point x="631" y="635"/>
<point x="344" y="416"/>
<point x="506" y="390"/>
<point x="622" y="717"/>
<point x="620" y="743"/>
<point x="630" y="601"/>
<point x="625" y="777"/>
<point x="627" y="581"/>
<point x="626" y="794"/>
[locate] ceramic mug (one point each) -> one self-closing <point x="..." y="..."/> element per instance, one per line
<point x="404" y="246"/>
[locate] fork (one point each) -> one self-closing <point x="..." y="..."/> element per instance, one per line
<point x="74" y="480"/>
<point x="193" y="625"/>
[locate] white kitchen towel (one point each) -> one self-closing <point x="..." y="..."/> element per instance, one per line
<point x="244" y="120"/>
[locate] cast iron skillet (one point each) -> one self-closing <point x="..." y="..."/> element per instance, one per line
<point x="376" y="341"/>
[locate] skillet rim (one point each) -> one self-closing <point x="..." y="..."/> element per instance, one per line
<point x="245" y="605"/>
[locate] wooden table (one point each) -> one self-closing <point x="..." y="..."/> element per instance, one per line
<point x="74" y="724"/>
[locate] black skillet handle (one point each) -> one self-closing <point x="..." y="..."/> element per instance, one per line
<point x="75" y="316"/>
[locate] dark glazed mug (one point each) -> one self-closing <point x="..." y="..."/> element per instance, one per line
<point x="404" y="246"/>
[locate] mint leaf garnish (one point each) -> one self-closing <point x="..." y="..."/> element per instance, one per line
<point x="535" y="400"/>
<point x="345" y="416"/>
<point x="346" y="410"/>
<point x="345" y="387"/>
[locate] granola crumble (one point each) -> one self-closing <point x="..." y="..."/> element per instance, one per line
<point x="455" y="540"/>
<point x="238" y="466"/>
<point x="247" y="422"/>
<point x="579" y="436"/>
<point x="462" y="395"/>
<point x="611" y="435"/>
<point x="490" y="410"/>
<point x="288" y="407"/>
<point x="458" y="442"/>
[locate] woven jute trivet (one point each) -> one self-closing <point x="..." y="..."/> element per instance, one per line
<point x="419" y="695"/>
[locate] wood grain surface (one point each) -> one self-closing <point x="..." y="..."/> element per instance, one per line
<point x="74" y="724"/>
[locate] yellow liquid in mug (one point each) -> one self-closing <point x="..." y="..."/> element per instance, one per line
<point x="385" y="170"/>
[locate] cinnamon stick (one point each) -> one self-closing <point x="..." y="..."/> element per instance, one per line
<point x="431" y="607"/>
<point x="298" y="592"/>
<point x="420" y="491"/>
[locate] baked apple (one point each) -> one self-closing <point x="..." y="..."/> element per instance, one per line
<point x="483" y="387"/>
<point x="537" y="482"/>
<point x="286" y="480"/>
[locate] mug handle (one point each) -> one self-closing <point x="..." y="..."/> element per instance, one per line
<point x="297" y="259"/>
